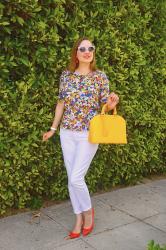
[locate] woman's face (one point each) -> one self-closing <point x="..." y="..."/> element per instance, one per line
<point x="85" y="51"/>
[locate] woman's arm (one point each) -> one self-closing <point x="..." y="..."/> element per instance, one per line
<point x="58" y="115"/>
<point x="112" y="101"/>
<point x="105" y="96"/>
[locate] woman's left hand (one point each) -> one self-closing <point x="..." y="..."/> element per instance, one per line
<point x="112" y="100"/>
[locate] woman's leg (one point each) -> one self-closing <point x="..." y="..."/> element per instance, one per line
<point x="84" y="154"/>
<point x="78" y="154"/>
<point x="69" y="146"/>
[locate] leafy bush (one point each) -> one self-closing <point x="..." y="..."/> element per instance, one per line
<point x="153" y="246"/>
<point x="36" y="38"/>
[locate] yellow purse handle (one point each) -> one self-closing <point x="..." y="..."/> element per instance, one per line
<point x="105" y="108"/>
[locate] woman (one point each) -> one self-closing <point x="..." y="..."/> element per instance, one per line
<point x="83" y="90"/>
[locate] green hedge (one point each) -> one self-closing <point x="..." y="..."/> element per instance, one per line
<point x="36" y="38"/>
<point x="152" y="245"/>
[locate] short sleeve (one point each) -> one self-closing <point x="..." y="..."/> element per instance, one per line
<point x="62" y="85"/>
<point x="104" y="89"/>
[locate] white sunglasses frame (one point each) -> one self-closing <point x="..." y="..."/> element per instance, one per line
<point x="86" y="49"/>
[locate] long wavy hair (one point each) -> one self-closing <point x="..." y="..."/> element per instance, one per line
<point x="73" y="65"/>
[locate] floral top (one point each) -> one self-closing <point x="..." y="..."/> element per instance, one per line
<point x="82" y="96"/>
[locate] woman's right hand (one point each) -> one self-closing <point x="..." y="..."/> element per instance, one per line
<point x="47" y="135"/>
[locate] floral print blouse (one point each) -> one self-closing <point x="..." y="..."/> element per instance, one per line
<point x="83" y="96"/>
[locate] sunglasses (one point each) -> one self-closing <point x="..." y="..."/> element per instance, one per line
<point x="83" y="49"/>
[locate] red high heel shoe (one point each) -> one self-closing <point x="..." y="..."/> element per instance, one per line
<point x="88" y="230"/>
<point x="73" y="235"/>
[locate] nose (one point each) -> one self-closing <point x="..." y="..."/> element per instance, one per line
<point x="87" y="52"/>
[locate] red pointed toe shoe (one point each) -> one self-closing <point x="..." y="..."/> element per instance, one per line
<point x="88" y="230"/>
<point x="73" y="235"/>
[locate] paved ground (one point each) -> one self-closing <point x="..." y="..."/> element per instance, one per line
<point x="125" y="219"/>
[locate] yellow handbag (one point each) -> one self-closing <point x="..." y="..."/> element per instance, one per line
<point x="106" y="128"/>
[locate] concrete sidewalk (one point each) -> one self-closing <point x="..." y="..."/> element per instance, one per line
<point x="125" y="219"/>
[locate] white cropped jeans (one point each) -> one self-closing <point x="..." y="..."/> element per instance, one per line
<point x="78" y="154"/>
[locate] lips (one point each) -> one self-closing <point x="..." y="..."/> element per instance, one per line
<point x="86" y="57"/>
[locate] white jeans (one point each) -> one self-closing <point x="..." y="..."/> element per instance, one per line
<point x="78" y="154"/>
